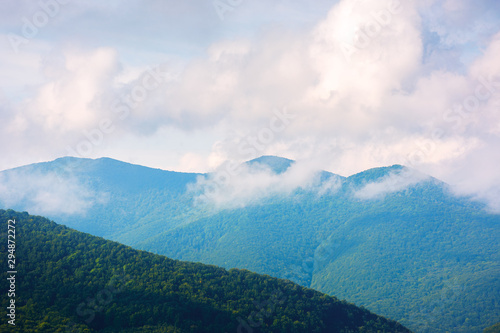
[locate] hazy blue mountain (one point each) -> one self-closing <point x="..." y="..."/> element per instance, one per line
<point x="109" y="197"/>
<point x="276" y="164"/>
<point x="390" y="239"/>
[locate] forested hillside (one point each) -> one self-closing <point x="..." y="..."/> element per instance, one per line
<point x="68" y="281"/>
<point x="493" y="329"/>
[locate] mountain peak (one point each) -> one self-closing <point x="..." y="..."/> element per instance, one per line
<point x="375" y="174"/>
<point x="275" y="163"/>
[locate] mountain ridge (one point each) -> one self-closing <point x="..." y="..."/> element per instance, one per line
<point x="268" y="160"/>
<point x="336" y="235"/>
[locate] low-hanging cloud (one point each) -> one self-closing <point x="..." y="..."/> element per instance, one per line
<point x="48" y="193"/>
<point x="395" y="181"/>
<point x="251" y="184"/>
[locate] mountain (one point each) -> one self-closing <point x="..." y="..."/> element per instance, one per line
<point x="69" y="281"/>
<point x="391" y="239"/>
<point x="277" y="164"/>
<point x="104" y="197"/>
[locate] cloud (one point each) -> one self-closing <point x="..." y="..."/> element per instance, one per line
<point x="475" y="173"/>
<point x="330" y="186"/>
<point x="240" y="81"/>
<point x="81" y="91"/>
<point x="46" y="193"/>
<point x="458" y="22"/>
<point x="66" y="103"/>
<point x="395" y="181"/>
<point x="240" y="185"/>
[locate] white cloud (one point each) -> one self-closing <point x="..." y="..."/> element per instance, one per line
<point x="238" y="185"/>
<point x="67" y="101"/>
<point x="46" y="193"/>
<point x="474" y="173"/>
<point x="330" y="186"/>
<point x="384" y="49"/>
<point x="395" y="181"/>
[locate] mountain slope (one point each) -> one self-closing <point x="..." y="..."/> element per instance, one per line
<point x="71" y="281"/>
<point x="433" y="265"/>
<point x="390" y="239"/>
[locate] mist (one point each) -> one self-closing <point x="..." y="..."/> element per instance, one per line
<point x="395" y="181"/>
<point x="46" y="193"/>
<point x="252" y="184"/>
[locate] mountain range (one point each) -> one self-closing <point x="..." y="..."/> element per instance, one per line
<point x="391" y="239"/>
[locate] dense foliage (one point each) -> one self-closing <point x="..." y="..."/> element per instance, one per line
<point x="68" y="281"/>
<point x="493" y="329"/>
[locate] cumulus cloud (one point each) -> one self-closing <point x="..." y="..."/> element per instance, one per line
<point x="66" y="102"/>
<point x="46" y="193"/>
<point x="57" y="111"/>
<point x="395" y="181"/>
<point x="86" y="98"/>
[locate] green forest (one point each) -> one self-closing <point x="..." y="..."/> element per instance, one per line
<point x="421" y="257"/>
<point x="69" y="281"/>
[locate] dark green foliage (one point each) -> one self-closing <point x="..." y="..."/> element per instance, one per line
<point x="69" y="281"/>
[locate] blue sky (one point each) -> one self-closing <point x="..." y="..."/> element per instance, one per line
<point x="348" y="84"/>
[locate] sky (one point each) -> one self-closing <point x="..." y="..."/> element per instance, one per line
<point x="189" y="85"/>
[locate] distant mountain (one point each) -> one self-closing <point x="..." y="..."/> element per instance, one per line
<point x="374" y="174"/>
<point x="104" y="197"/>
<point x="391" y="239"/>
<point x="274" y="163"/>
<point x="68" y="281"/>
